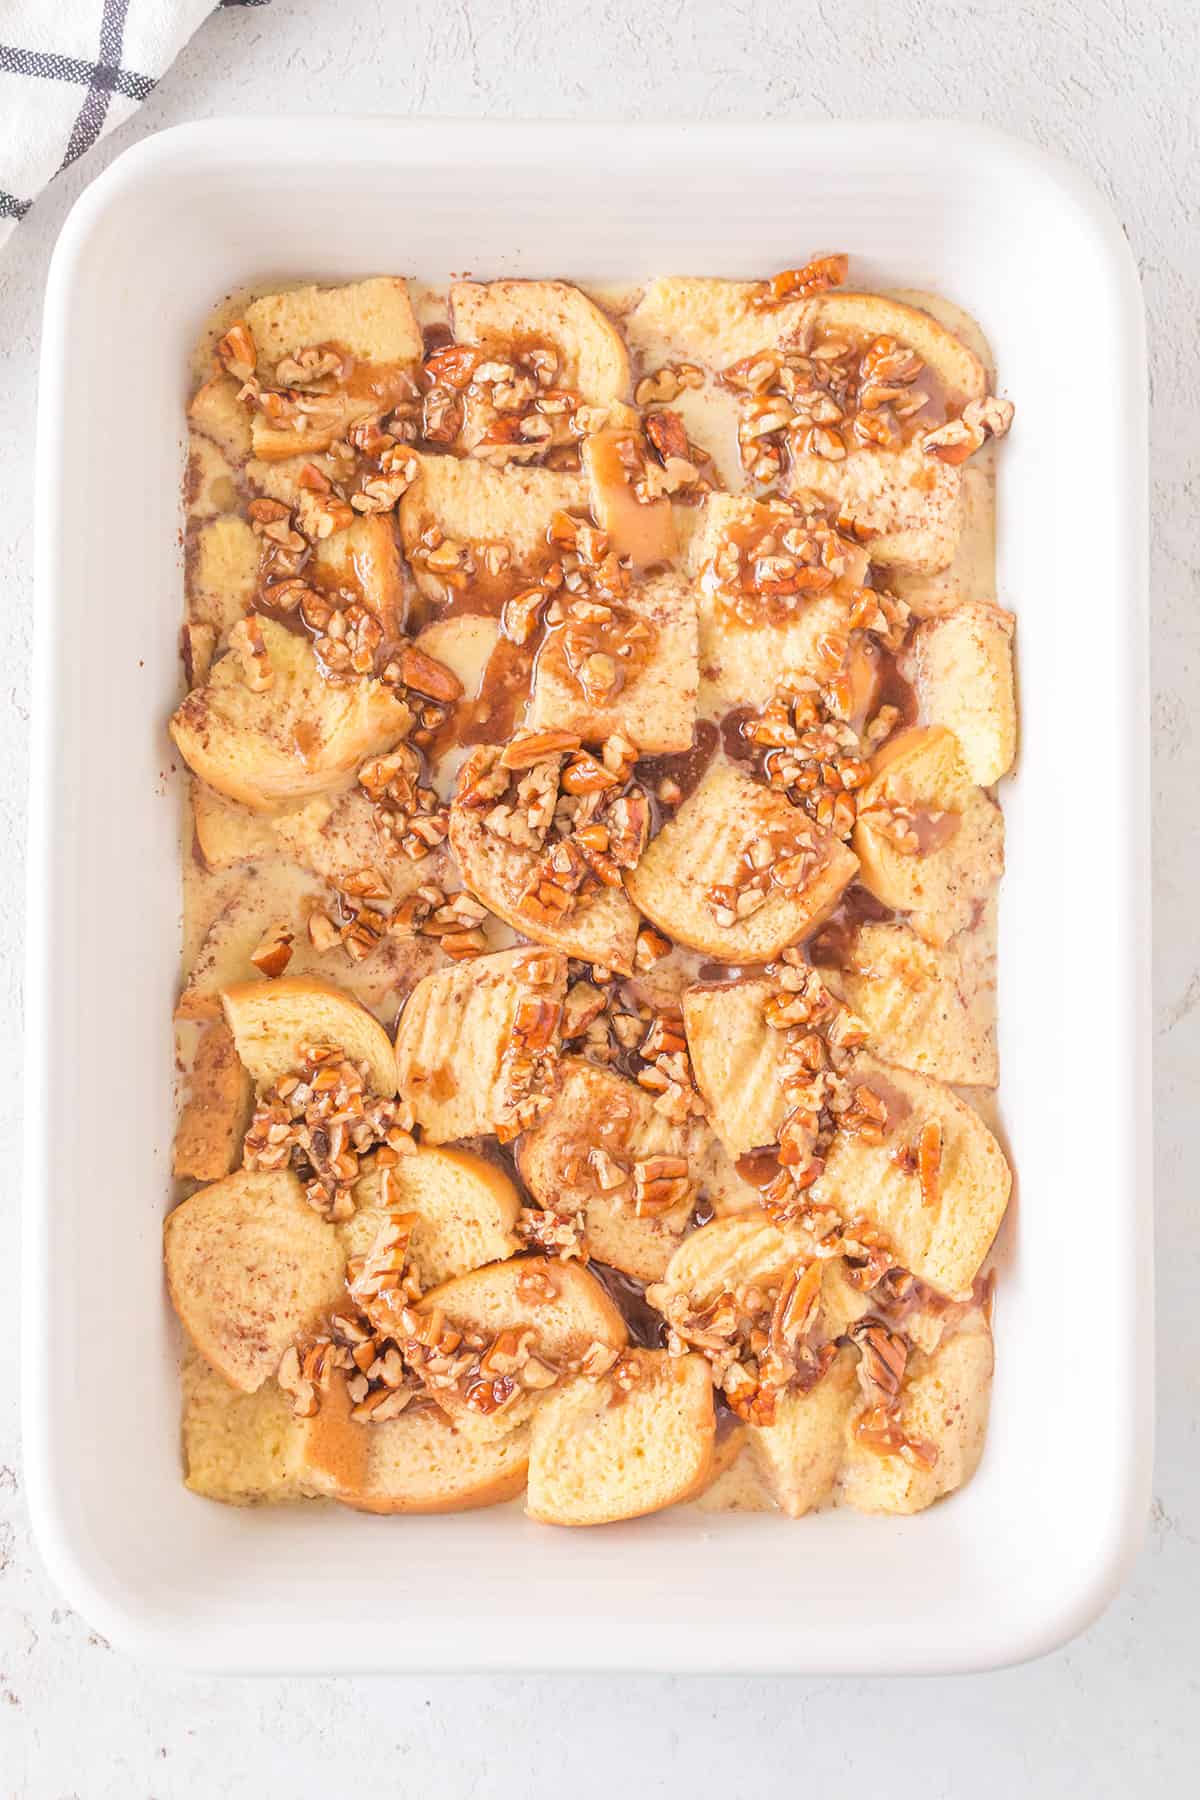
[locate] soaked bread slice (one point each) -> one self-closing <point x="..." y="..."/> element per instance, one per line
<point x="962" y="666"/>
<point x="249" y="1266"/>
<point x="498" y="315"/>
<point x="216" y="411"/>
<point x="459" y="1056"/>
<point x="944" y="1410"/>
<point x="601" y="927"/>
<point x="629" y="1443"/>
<point x="222" y="573"/>
<point x="213" y="1121"/>
<point x="920" y="779"/>
<point x="372" y="322"/>
<point x="726" y="1192"/>
<point x="237" y="1447"/>
<point x="227" y="833"/>
<point x="926" y="1008"/>
<point x="582" y="1157"/>
<point x="716" y="322"/>
<point x="743" y="1251"/>
<point x="800" y="1454"/>
<point x="940" y="1224"/>
<point x="655" y="708"/>
<point x="338" y="836"/>
<point x="300" y="735"/>
<point x="288" y="892"/>
<point x="909" y="501"/>
<point x="272" y="1022"/>
<point x="744" y="661"/>
<point x="467" y="1209"/>
<point x="566" y="1307"/>
<point x="739" y="1486"/>
<point x="738" y="1061"/>
<point x="472" y="503"/>
<point x="727" y="820"/>
<point x="970" y="574"/>
<point x="642" y="530"/>
<point x="420" y="1462"/>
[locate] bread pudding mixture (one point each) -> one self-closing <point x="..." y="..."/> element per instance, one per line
<point x="595" y="708"/>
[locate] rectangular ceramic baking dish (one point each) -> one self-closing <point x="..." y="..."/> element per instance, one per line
<point x="1036" y="1545"/>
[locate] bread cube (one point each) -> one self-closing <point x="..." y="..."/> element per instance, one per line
<point x="943" y="1226"/>
<point x="738" y="1061"/>
<point x="250" y="1265"/>
<point x="655" y="708"/>
<point x="498" y="315"/>
<point x="459" y="1059"/>
<point x="963" y="673"/>
<point x="801" y="1453"/>
<point x="273" y="1020"/>
<point x="472" y="504"/>
<point x="706" y="845"/>
<point x="603" y="1451"/>
<point x="238" y="1448"/>
<point x="960" y="834"/>
<point x="213" y="1121"/>
<point x="467" y="1210"/>
<point x="580" y="1158"/>
<point x="222" y="573"/>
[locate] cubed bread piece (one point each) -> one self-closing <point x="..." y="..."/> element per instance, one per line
<point x="561" y="1302"/>
<point x="601" y="927"/>
<point x="656" y="707"/>
<point x="970" y="576"/>
<point x="500" y="315"/>
<point x="706" y="845"/>
<point x="459" y="1055"/>
<point x="716" y="322"/>
<point x="920" y="778"/>
<point x="298" y="736"/>
<point x="603" y="1451"/>
<point x="210" y="484"/>
<point x="472" y="503"/>
<point x="216" y="411"/>
<point x="237" y="1447"/>
<point x="928" y="1008"/>
<point x="286" y="892"/>
<point x="197" y="646"/>
<point x="738" y="1061"/>
<point x="466" y="1209"/>
<point x="227" y="833"/>
<point x="581" y="1157"/>
<point x="911" y="502"/>
<point x="249" y="1266"/>
<point x="364" y="562"/>
<point x="944" y="1406"/>
<point x="420" y="1462"/>
<point x="941" y="1227"/>
<point x="212" y="1123"/>
<point x="272" y="1022"/>
<point x="222" y="577"/>
<point x="963" y="673"/>
<point x="642" y="530"/>
<point x="843" y="1301"/>
<point x="370" y="321"/>
<point x="801" y="1453"/>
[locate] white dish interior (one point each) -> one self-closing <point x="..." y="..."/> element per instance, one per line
<point x="1032" y="1549"/>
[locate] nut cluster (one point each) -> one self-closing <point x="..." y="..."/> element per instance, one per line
<point x="765" y="572"/>
<point x="321" y="1121"/>
<point x="776" y="859"/>
<point x="544" y="793"/>
<point x="611" y="1025"/>
<point x="506" y="408"/>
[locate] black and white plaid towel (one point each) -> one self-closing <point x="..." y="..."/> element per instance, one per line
<point x="71" y="70"/>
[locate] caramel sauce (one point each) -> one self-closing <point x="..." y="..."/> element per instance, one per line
<point x="831" y="947"/>
<point x="647" y="1328"/>
<point x="760" y="1167"/>
<point x="686" y="768"/>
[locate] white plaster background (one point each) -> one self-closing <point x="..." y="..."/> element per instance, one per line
<point x="1110" y="83"/>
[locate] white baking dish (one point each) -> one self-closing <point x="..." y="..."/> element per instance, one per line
<point x="1037" y="1544"/>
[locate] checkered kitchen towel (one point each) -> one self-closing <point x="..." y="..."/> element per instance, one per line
<point x="70" y="70"/>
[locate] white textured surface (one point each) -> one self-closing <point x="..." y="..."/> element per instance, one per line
<point x="1114" y="1714"/>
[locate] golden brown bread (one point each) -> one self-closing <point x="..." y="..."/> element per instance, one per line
<point x="223" y="573"/>
<point x="656" y="707"/>
<point x="459" y="1064"/>
<point x="738" y="1061"/>
<point x="962" y="665"/>
<point x="495" y="315"/>
<point x="249" y="1266"/>
<point x="942" y="1235"/>
<point x="213" y="1120"/>
<point x="472" y="503"/>
<point x="272" y="1021"/>
<point x="466" y="1206"/>
<point x="920" y="776"/>
<point x="298" y="736"/>
<point x="581" y="1157"/>
<point x="706" y="844"/>
<point x="801" y="1453"/>
<point x="238" y="1448"/>
<point x="602" y="1451"/>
